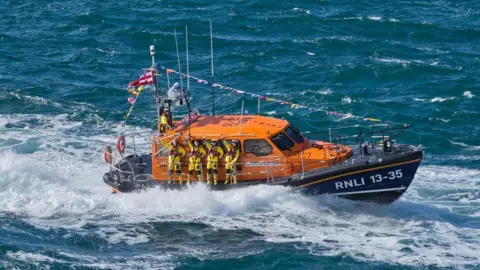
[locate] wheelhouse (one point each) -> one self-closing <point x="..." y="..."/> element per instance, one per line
<point x="270" y="147"/>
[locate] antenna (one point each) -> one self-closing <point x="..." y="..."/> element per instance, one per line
<point x="187" y="96"/>
<point x="188" y="71"/>
<point x="211" y="58"/>
<point x="178" y="59"/>
<point x="168" y="79"/>
<point x="258" y="107"/>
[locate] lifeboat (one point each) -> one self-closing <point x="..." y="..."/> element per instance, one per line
<point x="272" y="152"/>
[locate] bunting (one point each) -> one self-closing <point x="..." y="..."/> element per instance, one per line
<point x="131" y="100"/>
<point x="145" y="78"/>
<point x="269" y="99"/>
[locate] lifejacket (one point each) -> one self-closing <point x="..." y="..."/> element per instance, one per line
<point x="213" y="151"/>
<point x="195" y="152"/>
<point x="174" y="151"/>
<point x="232" y="150"/>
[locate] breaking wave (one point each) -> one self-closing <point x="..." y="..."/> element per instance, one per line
<point x="48" y="188"/>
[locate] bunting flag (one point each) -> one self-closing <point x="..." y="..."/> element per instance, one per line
<point x="283" y="102"/>
<point x="146" y="78"/>
<point x="132" y="101"/>
<point x="132" y="91"/>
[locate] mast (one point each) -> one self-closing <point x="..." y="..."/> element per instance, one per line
<point x="211" y="60"/>
<point x="178" y="59"/>
<point x="154" y="78"/>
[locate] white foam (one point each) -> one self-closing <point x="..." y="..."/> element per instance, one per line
<point x="346" y="100"/>
<point x="440" y="99"/>
<point x="53" y="188"/>
<point x="271" y="112"/>
<point x="133" y="262"/>
<point x="393" y="61"/>
<point x="32" y="99"/>
<point x="31" y="257"/>
<point x="468" y="94"/>
<point x="449" y="176"/>
<point x="374" y="18"/>
<point x="301" y="10"/>
<point x="326" y="91"/>
<point x="439" y="119"/>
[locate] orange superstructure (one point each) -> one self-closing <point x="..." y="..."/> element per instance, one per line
<point x="270" y="147"/>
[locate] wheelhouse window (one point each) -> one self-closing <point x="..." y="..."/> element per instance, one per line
<point x="294" y="134"/>
<point x="257" y="147"/>
<point x="282" y="141"/>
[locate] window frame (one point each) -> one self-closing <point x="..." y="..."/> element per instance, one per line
<point x="296" y="133"/>
<point x="246" y="141"/>
<point x="285" y="136"/>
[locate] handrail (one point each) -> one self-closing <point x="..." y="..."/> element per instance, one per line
<point x="178" y="135"/>
<point x="303" y="167"/>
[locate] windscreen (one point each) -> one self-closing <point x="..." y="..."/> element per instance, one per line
<point x="282" y="141"/>
<point x="294" y="134"/>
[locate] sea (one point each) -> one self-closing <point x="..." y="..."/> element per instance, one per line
<point x="65" y="67"/>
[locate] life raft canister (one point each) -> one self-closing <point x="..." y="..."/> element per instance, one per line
<point x="121" y="144"/>
<point x="107" y="154"/>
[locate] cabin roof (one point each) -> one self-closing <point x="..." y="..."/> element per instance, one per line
<point x="225" y="125"/>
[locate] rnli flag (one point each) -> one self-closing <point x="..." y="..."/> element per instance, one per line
<point x="146" y="78"/>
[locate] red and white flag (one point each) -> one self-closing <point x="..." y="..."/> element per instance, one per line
<point x="146" y="78"/>
<point x="131" y="100"/>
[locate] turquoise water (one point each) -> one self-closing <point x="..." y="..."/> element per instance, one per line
<point x="64" y="68"/>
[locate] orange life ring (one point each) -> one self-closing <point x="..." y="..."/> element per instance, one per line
<point x="121" y="144"/>
<point x="107" y="154"/>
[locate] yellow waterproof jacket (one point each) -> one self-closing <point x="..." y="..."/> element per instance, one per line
<point x="233" y="153"/>
<point x="164" y="120"/>
<point x="196" y="153"/>
<point x="176" y="153"/>
<point x="215" y="153"/>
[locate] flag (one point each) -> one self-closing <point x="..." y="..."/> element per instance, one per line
<point x="132" y="91"/>
<point x="131" y="100"/>
<point x="146" y="78"/>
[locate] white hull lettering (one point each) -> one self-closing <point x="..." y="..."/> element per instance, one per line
<point x="262" y="164"/>
<point x="376" y="178"/>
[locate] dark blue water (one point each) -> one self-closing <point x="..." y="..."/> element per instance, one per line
<point x="64" y="69"/>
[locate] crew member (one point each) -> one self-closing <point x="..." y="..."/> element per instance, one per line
<point x="175" y="155"/>
<point x="197" y="152"/>
<point x="164" y="126"/>
<point x="233" y="153"/>
<point x="215" y="153"/>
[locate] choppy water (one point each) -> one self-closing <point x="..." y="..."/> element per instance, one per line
<point x="64" y="67"/>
